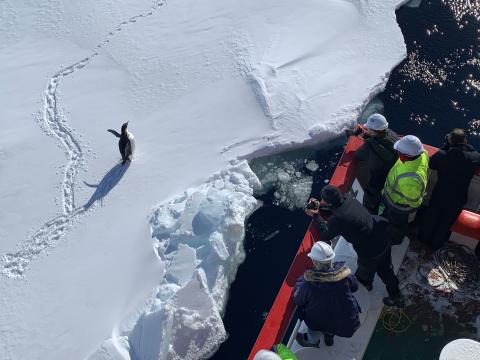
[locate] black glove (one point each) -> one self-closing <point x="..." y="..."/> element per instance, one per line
<point x="358" y="130"/>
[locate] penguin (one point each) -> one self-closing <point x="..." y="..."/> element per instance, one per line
<point x="126" y="144"/>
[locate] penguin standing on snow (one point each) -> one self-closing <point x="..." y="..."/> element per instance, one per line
<point x="126" y="144"/>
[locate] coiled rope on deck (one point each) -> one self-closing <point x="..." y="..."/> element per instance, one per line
<point x="459" y="267"/>
<point x="395" y="320"/>
<point x="456" y="269"/>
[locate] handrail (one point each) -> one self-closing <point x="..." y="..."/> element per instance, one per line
<point x="294" y="333"/>
<point x="467" y="224"/>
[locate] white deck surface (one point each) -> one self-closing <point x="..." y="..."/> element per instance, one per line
<point x="371" y="303"/>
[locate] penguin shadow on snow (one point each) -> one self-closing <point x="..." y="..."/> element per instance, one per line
<point x="109" y="181"/>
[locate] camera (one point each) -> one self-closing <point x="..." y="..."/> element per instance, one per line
<point x="355" y="132"/>
<point x="312" y="205"/>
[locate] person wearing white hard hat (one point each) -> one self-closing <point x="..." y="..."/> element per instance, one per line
<point x="324" y="297"/>
<point x="378" y="153"/>
<point x="405" y="186"/>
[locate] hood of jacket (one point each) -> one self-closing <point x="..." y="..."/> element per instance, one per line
<point x="337" y="272"/>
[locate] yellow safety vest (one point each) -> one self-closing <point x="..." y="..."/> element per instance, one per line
<point x="406" y="183"/>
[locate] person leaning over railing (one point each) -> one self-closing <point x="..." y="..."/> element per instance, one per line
<point x="367" y="233"/>
<point x="405" y="186"/>
<point x="378" y="153"/>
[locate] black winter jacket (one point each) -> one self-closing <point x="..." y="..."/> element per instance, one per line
<point x="326" y="301"/>
<point x="380" y="156"/>
<point x="351" y="220"/>
<point x="456" y="166"/>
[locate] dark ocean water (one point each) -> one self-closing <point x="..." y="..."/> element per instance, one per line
<point x="434" y="90"/>
<point x="437" y="87"/>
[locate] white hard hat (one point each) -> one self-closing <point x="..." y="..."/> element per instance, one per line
<point x="321" y="252"/>
<point x="266" y="355"/>
<point x="376" y="122"/>
<point x="409" y="145"/>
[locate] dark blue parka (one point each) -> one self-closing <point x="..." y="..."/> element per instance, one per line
<point x="326" y="301"/>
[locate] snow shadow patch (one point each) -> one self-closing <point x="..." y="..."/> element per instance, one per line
<point x="108" y="182"/>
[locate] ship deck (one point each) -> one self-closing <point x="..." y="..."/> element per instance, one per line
<point x="436" y="311"/>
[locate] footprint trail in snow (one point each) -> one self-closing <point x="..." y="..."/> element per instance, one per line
<point x="56" y="126"/>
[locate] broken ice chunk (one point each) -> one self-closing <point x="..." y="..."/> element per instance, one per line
<point x="216" y="240"/>
<point x="312" y="166"/>
<point x="164" y="222"/>
<point x="191" y="208"/>
<point x="167" y="291"/>
<point x="210" y="214"/>
<point x="183" y="263"/>
<point x="188" y="327"/>
<point x="197" y="324"/>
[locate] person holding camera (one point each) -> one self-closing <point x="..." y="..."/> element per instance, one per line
<point x="367" y="233"/>
<point x="455" y="163"/>
<point x="324" y="297"/>
<point x="378" y="153"/>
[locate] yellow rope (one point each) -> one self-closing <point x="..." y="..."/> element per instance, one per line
<point x="395" y="320"/>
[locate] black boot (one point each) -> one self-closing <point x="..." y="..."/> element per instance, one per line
<point x="395" y="302"/>
<point x="369" y="287"/>
<point x="302" y="340"/>
<point x="328" y="338"/>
